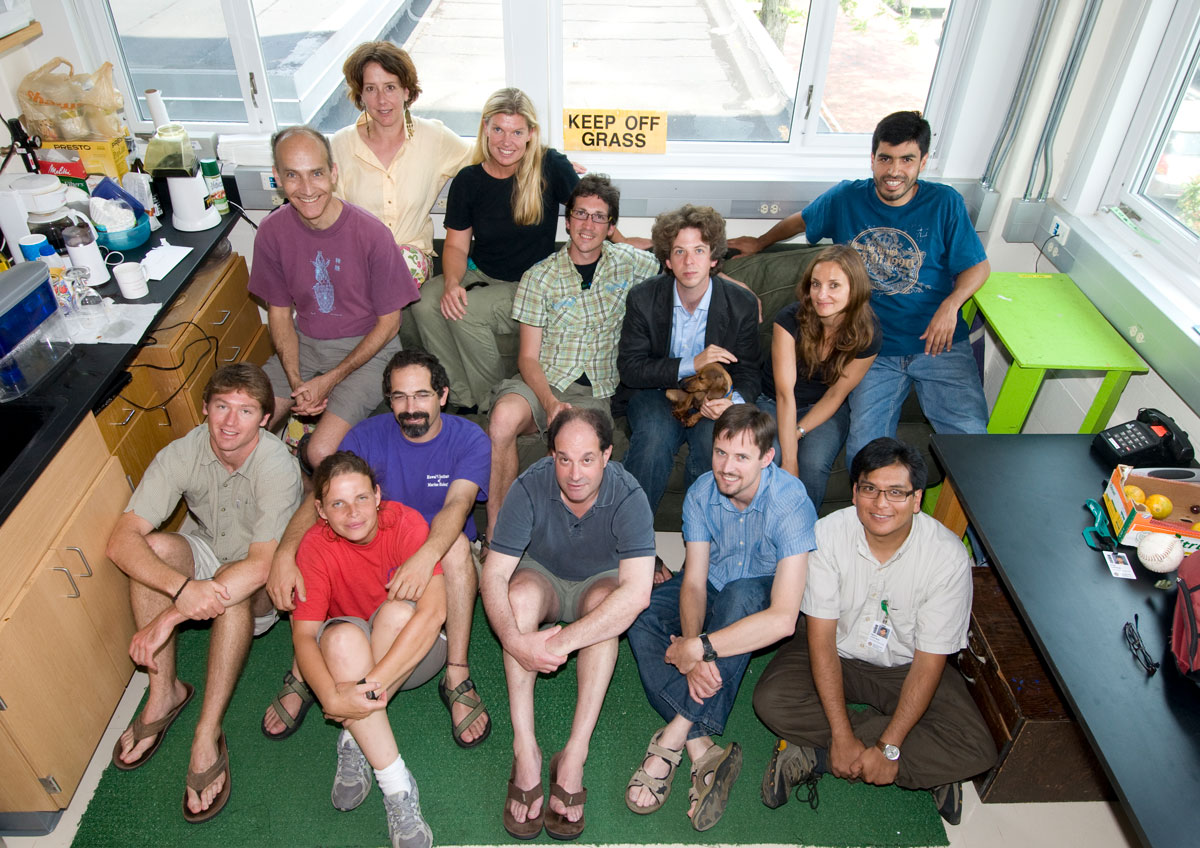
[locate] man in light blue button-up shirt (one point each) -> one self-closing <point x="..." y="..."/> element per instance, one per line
<point x="748" y="528"/>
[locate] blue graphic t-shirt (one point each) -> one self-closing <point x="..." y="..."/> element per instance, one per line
<point x="913" y="252"/>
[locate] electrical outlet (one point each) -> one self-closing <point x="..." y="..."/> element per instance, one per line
<point x="439" y="205"/>
<point x="1059" y="229"/>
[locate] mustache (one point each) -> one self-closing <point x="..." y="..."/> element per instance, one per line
<point x="413" y="416"/>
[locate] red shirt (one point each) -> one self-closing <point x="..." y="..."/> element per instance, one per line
<point x="342" y="578"/>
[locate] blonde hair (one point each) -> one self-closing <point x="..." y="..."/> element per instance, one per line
<point x="529" y="187"/>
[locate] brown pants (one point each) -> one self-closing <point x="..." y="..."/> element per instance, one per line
<point x="949" y="743"/>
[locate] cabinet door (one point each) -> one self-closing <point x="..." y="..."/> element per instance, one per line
<point x="149" y="432"/>
<point x="56" y="678"/>
<point x="103" y="588"/>
<point x="19" y="790"/>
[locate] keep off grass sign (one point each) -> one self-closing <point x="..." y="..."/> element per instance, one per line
<point x="615" y="130"/>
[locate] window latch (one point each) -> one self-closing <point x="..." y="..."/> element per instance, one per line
<point x="808" y="103"/>
<point x="253" y="90"/>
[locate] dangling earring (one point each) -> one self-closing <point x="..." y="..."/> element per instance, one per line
<point x="408" y="121"/>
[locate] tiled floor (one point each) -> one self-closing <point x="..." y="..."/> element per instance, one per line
<point x="1096" y="825"/>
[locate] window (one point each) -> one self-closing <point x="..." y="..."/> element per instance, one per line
<point x="749" y="76"/>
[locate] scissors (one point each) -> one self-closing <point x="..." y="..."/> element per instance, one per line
<point x="1097" y="535"/>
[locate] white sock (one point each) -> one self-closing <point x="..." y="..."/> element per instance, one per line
<point x="394" y="778"/>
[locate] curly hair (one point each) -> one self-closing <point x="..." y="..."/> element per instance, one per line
<point x="529" y="187"/>
<point x="388" y="56"/>
<point x="338" y="463"/>
<point x="703" y="218"/>
<point x="852" y="335"/>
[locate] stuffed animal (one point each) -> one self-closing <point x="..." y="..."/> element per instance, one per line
<point x="709" y="383"/>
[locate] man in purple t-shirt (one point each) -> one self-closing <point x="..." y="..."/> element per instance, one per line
<point x="339" y="269"/>
<point x="438" y="465"/>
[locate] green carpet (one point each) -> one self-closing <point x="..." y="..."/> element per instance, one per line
<point x="280" y="790"/>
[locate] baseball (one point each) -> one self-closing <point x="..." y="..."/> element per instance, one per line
<point x="1160" y="552"/>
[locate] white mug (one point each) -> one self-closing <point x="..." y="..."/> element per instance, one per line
<point x="131" y="279"/>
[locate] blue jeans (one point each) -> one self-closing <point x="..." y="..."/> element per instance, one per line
<point x="655" y="439"/>
<point x="948" y="388"/>
<point x="650" y="636"/>
<point x="816" y="452"/>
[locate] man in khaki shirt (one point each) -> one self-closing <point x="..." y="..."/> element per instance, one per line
<point x="241" y="485"/>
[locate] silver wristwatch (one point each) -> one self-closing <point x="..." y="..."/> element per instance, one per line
<point x="891" y="752"/>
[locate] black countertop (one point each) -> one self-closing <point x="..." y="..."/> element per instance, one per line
<point x="49" y="414"/>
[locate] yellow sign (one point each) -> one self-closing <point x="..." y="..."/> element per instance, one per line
<point x="615" y="130"/>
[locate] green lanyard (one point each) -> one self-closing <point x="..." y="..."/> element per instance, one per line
<point x="884" y="606"/>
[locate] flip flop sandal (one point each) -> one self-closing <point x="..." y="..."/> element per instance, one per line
<point x="530" y="828"/>
<point x="458" y="695"/>
<point x="659" y="786"/>
<point x="198" y="782"/>
<point x="711" y="796"/>
<point x="291" y="686"/>
<point x="558" y="826"/>
<point x="144" y="730"/>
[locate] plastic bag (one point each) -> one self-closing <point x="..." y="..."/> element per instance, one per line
<point x="66" y="106"/>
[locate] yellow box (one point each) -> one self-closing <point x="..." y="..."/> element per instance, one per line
<point x="104" y="156"/>
<point x="1131" y="525"/>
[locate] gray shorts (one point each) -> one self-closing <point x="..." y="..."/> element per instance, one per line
<point x="355" y="397"/>
<point x="574" y="394"/>
<point x="569" y="592"/>
<point x="429" y="666"/>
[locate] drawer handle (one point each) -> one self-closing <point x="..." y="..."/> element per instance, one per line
<point x="223" y="320"/>
<point x="128" y="418"/>
<point x="236" y="351"/>
<point x="87" y="566"/>
<point x="129" y="480"/>
<point x="167" y="415"/>
<point x="67" y="572"/>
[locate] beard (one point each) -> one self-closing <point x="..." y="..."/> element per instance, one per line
<point x="414" y="425"/>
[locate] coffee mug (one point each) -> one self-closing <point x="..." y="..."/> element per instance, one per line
<point x="131" y="279"/>
<point x="31" y="246"/>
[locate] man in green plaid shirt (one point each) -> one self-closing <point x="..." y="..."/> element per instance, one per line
<point x="570" y="307"/>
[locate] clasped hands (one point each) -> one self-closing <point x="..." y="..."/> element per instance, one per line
<point x="687" y="655"/>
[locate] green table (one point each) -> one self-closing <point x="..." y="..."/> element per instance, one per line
<point x="1046" y="322"/>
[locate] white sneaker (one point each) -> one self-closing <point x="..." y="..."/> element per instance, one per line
<point x="354" y="775"/>
<point x="406" y="827"/>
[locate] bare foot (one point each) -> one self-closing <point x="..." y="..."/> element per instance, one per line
<point x="153" y="711"/>
<point x="204" y="754"/>
<point x="567" y="773"/>
<point x="459" y="711"/>
<point x="272" y="722"/>
<point x="527" y="774"/>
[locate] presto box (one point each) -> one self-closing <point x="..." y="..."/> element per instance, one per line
<point x="107" y="157"/>
<point x="1132" y="523"/>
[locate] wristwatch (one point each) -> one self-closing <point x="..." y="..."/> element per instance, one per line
<point x="891" y="752"/>
<point x="710" y="655"/>
<point x="799" y="432"/>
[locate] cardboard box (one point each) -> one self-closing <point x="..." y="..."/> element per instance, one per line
<point x="104" y="156"/>
<point x="1132" y="524"/>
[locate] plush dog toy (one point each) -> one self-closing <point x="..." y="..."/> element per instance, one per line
<point x="709" y="383"/>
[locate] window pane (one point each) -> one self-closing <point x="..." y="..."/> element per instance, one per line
<point x="1173" y="174"/>
<point x="186" y="56"/>
<point x="711" y="66"/>
<point x="457" y="46"/>
<point x="881" y="61"/>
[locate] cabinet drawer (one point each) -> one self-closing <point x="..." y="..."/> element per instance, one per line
<point x="225" y="304"/>
<point x="189" y="303"/>
<point x="147" y="432"/>
<point x="262" y="348"/>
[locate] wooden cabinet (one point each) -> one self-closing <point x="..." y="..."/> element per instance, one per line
<point x="1043" y="753"/>
<point x="66" y="624"/>
<point x="212" y="322"/>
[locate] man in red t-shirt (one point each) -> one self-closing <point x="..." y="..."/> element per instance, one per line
<point x="354" y="646"/>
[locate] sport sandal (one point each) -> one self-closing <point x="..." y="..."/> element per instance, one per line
<point x="291" y="686"/>
<point x="712" y="795"/>
<point x="458" y="695"/>
<point x="660" y="787"/>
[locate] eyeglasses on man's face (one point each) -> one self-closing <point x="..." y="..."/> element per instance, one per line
<point x="870" y="492"/>
<point x="597" y="217"/>
<point x="421" y="396"/>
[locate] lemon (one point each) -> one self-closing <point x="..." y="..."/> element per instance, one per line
<point x="1135" y="494"/>
<point x="1160" y="506"/>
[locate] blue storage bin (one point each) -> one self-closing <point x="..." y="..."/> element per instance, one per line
<point x="26" y="301"/>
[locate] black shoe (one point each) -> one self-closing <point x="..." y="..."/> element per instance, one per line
<point x="948" y="798"/>
<point x="790" y="766"/>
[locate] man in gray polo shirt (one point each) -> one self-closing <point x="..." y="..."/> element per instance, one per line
<point x="241" y="485"/>
<point x="573" y="543"/>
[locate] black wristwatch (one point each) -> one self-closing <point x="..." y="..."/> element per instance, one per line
<point x="709" y="654"/>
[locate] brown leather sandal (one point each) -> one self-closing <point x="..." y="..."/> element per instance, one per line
<point x="558" y="825"/>
<point x="530" y="828"/>
<point x="144" y="730"/>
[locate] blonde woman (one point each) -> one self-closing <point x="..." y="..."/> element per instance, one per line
<point x="821" y="346"/>
<point x="390" y="162"/>
<point x="501" y="218"/>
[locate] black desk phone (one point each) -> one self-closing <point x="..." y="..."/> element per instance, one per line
<point x="1151" y="439"/>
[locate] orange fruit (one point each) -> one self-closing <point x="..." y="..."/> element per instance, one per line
<point x="1135" y="494"/>
<point x="1196" y="526"/>
<point x="1160" y="506"/>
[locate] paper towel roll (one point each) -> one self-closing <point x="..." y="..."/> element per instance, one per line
<point x="158" y="109"/>
<point x="13" y="222"/>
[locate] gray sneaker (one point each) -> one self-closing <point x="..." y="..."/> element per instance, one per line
<point x="406" y="828"/>
<point x="353" y="779"/>
<point x="790" y="766"/>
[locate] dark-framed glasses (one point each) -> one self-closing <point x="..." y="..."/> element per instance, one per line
<point x="869" y="491"/>
<point x="597" y="217"/>
<point x="1133" y="638"/>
